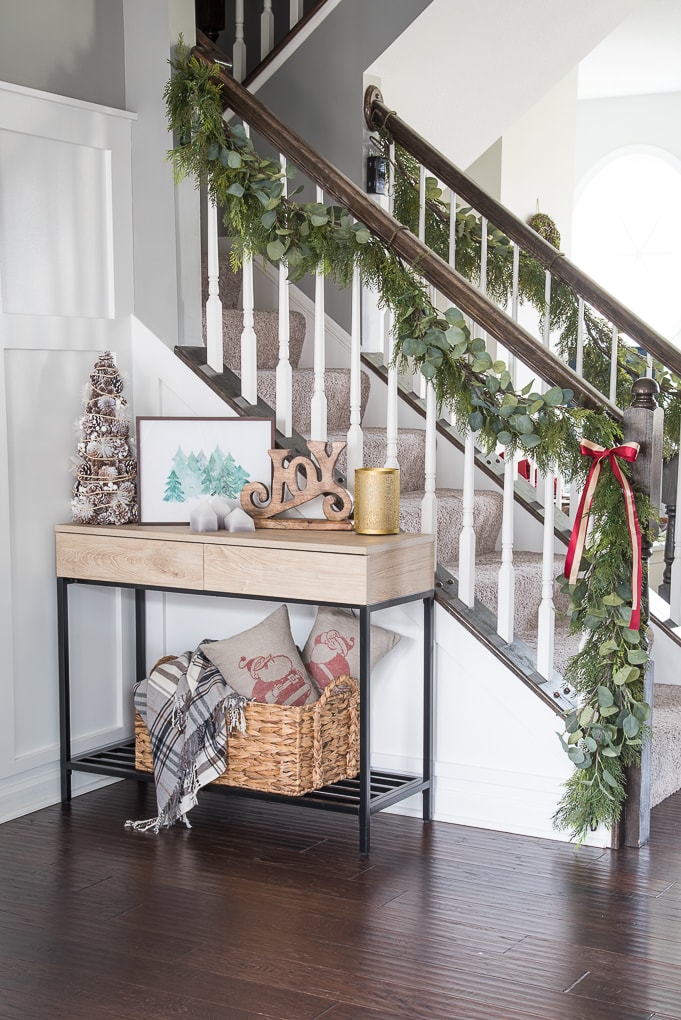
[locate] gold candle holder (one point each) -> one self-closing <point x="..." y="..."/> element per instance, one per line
<point x="377" y="501"/>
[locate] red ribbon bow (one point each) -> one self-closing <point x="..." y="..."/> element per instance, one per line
<point x="628" y="452"/>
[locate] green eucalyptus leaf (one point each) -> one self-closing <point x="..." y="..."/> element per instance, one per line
<point x="610" y="779"/>
<point x="234" y="160"/>
<point x="632" y="637"/>
<point x="505" y="437"/>
<point x="605" y="697"/>
<point x="475" y="421"/>
<point x="607" y="712"/>
<point x="641" y="710"/>
<point x="608" y="647"/>
<point x="637" y="656"/>
<point x="631" y="726"/>
<point x="275" y="251"/>
<point x="235" y="189"/>
<point x="268" y="219"/>
<point x="612" y="599"/>
<point x="455" y="317"/>
<point x="554" y="396"/>
<point x="530" y="442"/>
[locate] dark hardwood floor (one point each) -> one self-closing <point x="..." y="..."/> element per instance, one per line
<point x="267" y="911"/>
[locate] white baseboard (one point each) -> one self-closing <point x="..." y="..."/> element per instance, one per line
<point x="40" y="788"/>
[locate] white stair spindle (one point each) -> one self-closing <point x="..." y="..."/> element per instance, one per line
<point x="239" y="47"/>
<point x="318" y="407"/>
<point x="266" y="29"/>
<point x="675" y="584"/>
<point x="467" y="537"/>
<point x="483" y="254"/>
<point x="515" y="302"/>
<point x="419" y="382"/>
<point x="429" y="501"/>
<point x="284" y="373"/>
<point x="547" y="611"/>
<point x="579" y="354"/>
<point x="392" y="406"/>
<point x="614" y="345"/>
<point x="392" y="398"/>
<point x="214" y="352"/>
<point x="296" y="12"/>
<point x="249" y="340"/>
<point x="355" y="449"/>
<point x="452" y="231"/>
<point x="506" y="598"/>
<point x="546" y="338"/>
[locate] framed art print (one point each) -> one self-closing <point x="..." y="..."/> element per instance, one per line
<point x="182" y="460"/>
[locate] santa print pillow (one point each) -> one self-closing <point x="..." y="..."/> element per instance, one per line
<point x="332" y="649"/>
<point x="263" y="663"/>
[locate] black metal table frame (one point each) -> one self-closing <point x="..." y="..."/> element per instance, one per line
<point x="371" y="792"/>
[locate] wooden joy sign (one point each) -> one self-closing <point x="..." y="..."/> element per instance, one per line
<point x="295" y="481"/>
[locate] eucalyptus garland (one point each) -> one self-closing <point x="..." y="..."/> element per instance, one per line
<point x="266" y="221"/>
<point x="563" y="306"/>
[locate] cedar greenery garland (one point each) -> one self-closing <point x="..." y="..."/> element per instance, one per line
<point x="601" y="737"/>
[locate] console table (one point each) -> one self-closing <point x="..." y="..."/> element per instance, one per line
<point x="362" y="572"/>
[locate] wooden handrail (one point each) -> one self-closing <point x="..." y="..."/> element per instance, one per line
<point x="377" y="115"/>
<point x="391" y="232"/>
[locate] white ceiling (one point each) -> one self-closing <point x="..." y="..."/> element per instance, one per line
<point x="641" y="57"/>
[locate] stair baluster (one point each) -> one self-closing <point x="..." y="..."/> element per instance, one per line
<point x="547" y="611"/>
<point x="214" y="351"/>
<point x="296" y="12"/>
<point x="266" y="29"/>
<point x="467" y="536"/>
<point x="355" y="449"/>
<point x="392" y="398"/>
<point x="318" y="406"/>
<point x="506" y="599"/>
<point x="284" y="375"/>
<point x="239" y="48"/>
<point x="613" y="364"/>
<point x="249" y="340"/>
<point x="420" y="387"/>
<point x="429" y="501"/>
<point x="675" y="584"/>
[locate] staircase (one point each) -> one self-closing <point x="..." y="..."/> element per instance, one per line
<point x="456" y="508"/>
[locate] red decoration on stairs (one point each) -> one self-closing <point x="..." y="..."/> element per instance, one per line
<point x="628" y="452"/>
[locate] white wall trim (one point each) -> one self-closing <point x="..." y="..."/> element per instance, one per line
<point x="76" y="104"/>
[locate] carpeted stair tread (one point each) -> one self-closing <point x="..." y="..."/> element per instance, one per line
<point x="411" y="445"/>
<point x="666" y="746"/>
<point x="450" y="519"/>
<point x="266" y="326"/>
<point x="337" y="400"/>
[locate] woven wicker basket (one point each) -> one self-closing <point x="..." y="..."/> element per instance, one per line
<point x="286" y="749"/>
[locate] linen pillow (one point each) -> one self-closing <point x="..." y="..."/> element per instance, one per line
<point x="263" y="663"/>
<point x="332" y="649"/>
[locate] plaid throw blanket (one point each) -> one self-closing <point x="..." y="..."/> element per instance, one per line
<point x="185" y="704"/>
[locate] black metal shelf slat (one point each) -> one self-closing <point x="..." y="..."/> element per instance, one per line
<point x="119" y="760"/>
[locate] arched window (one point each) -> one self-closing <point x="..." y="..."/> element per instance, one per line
<point x="627" y="234"/>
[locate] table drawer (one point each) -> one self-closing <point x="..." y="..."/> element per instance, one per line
<point x="147" y="562"/>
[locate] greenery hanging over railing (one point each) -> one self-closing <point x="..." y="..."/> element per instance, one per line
<point x="563" y="307"/>
<point x="478" y="391"/>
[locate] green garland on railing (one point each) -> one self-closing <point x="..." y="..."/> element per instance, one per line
<point x="478" y="391"/>
<point x="564" y="309"/>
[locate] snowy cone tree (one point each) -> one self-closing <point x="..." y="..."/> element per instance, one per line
<point x="105" y="468"/>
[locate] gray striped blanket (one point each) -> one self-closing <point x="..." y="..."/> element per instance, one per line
<point x="185" y="704"/>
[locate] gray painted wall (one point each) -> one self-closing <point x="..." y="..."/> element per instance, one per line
<point x="319" y="92"/>
<point x="68" y="47"/>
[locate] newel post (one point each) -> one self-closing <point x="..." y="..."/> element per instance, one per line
<point x="643" y="424"/>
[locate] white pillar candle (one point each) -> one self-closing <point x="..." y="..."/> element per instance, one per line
<point x="202" y="517"/>
<point x="238" y="520"/>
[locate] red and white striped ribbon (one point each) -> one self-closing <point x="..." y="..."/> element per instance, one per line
<point x="599" y="454"/>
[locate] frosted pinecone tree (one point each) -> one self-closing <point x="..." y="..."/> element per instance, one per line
<point x="105" y="490"/>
